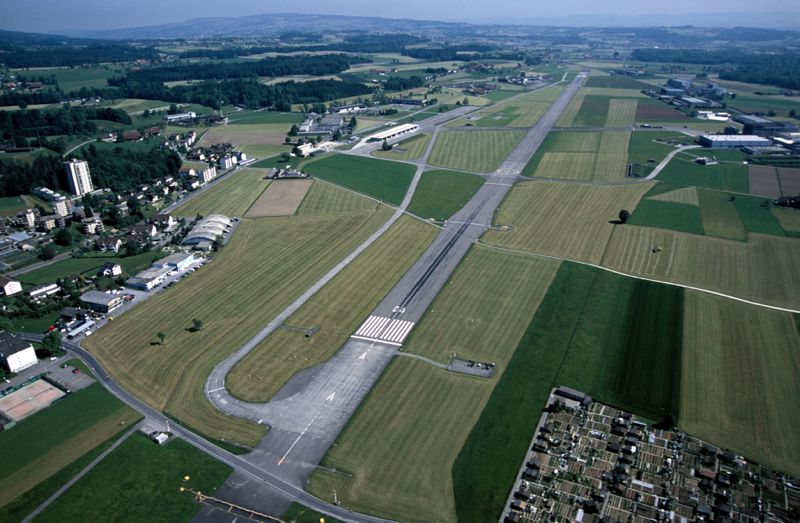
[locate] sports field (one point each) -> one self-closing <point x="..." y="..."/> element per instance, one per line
<point x="408" y="149"/>
<point x="473" y="151"/>
<point x="282" y="198"/>
<point x="326" y="198"/>
<point x="740" y="387"/>
<point x="382" y="179"/>
<point x="762" y="269"/>
<point x="29" y="400"/>
<point x="51" y="439"/>
<point x="332" y="315"/>
<point x="266" y="265"/>
<point x="140" y="481"/>
<point x="568" y="220"/>
<point x="398" y="470"/>
<point x="231" y="196"/>
<point x="440" y="194"/>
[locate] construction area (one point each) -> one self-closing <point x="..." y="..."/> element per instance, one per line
<point x="592" y="462"/>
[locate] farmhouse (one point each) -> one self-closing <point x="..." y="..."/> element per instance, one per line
<point x="9" y="286"/>
<point x="15" y="353"/>
<point x="101" y="301"/>
<point x="208" y="229"/>
<point x="394" y="132"/>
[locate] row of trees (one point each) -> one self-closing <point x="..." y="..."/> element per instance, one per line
<point x="65" y="121"/>
<point x="15" y="55"/>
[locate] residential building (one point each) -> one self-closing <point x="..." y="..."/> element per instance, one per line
<point x="143" y="230"/>
<point x="208" y="174"/>
<point x="164" y="221"/>
<point x="60" y="208"/>
<point x="29" y="219"/>
<point x="16" y="354"/>
<point x="78" y="177"/>
<point x="8" y="286"/>
<point x="731" y="141"/>
<point x="42" y="291"/>
<point x="92" y="225"/>
<point x="101" y="301"/>
<point x="111" y="269"/>
<point x="47" y="223"/>
<point x="226" y="162"/>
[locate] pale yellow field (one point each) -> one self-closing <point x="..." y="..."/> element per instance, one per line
<point x="568" y="220"/>
<point x="739" y="386"/>
<point x="231" y="196"/>
<point x="687" y="195"/>
<point x="763" y="269"/>
<point x="336" y="311"/>
<point x="266" y="265"/>
<point x="567" y="166"/>
<point x="614" y="143"/>
<point x="621" y="112"/>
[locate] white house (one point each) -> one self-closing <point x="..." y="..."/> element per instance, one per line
<point x="111" y="269"/>
<point x="9" y="286"/>
<point x="15" y="353"/>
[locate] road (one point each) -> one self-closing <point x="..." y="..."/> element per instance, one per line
<point x="663" y="163"/>
<point x="309" y="412"/>
<point x="39" y="265"/>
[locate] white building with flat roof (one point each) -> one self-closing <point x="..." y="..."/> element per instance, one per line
<point x="78" y="177"/>
<point x="730" y="141"/>
<point x="394" y="132"/>
<point x="149" y="279"/>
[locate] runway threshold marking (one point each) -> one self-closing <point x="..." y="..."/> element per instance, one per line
<point x="384" y="330"/>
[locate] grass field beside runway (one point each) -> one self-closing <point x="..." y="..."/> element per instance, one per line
<point x="560" y="219"/>
<point x="266" y="265"/>
<point x="440" y="194"/>
<point x="50" y="440"/>
<point x="381" y="179"/>
<point x="763" y="269"/>
<point x="324" y="198"/>
<point x="473" y="151"/>
<point x="621" y="112"/>
<point x="231" y="196"/>
<point x="740" y="387"/>
<point x="587" y="156"/>
<point x="334" y="313"/>
<point x="521" y="111"/>
<point x="408" y="149"/>
<point x="729" y="175"/>
<point x="397" y="469"/>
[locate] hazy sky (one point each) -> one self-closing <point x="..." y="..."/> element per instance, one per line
<point x="55" y="15"/>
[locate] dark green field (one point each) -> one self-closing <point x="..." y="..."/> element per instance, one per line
<point x="140" y="481"/>
<point x="593" y="112"/>
<point x="441" y="193"/>
<point x="252" y="117"/>
<point x="381" y="179"/>
<point x="727" y="176"/>
<point x="617" y="338"/>
<point x="756" y="215"/>
<point x="668" y="215"/>
<point x="616" y="82"/>
<point x="88" y="265"/>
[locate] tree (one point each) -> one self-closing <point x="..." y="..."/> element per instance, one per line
<point x="353" y="122"/>
<point x="173" y="109"/>
<point x="161" y="337"/>
<point x="294" y="130"/>
<point x="792" y="113"/>
<point x="51" y="344"/>
<point x="197" y="325"/>
<point x="336" y="135"/>
<point x="286" y="155"/>
<point x="63" y="237"/>
<point x="296" y="151"/>
<point x="48" y="252"/>
<point x="385" y="146"/>
<point x="624" y="215"/>
<point x="287" y="140"/>
<point x="466" y="101"/>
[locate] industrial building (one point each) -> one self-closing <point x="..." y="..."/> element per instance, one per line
<point x="179" y="261"/>
<point x="762" y="126"/>
<point x="208" y="229"/>
<point x="149" y="279"/>
<point x="180" y="117"/>
<point x="394" y="132"/>
<point x="732" y="141"/>
<point x="78" y="177"/>
<point x="16" y="354"/>
<point x="101" y="301"/>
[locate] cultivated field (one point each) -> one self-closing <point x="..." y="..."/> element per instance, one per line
<point x="764" y="181"/>
<point x="650" y="110"/>
<point x="440" y="194"/>
<point x="651" y="212"/>
<point x="789" y="220"/>
<point x="247" y="134"/>
<point x="332" y="315"/>
<point x="790" y="181"/>
<point x="566" y="220"/>
<point x="266" y="265"/>
<point x="685" y="195"/>
<point x="763" y="269"/>
<point x="231" y="196"/>
<point x="325" y="198"/>
<point x="720" y="217"/>
<point x="621" y="112"/>
<point x="473" y="151"/>
<point x="593" y="111"/>
<point x="589" y="156"/>
<point x="398" y="470"/>
<point x="408" y="149"/>
<point x="282" y="198"/>
<point x="46" y="442"/>
<point x="740" y="387"/>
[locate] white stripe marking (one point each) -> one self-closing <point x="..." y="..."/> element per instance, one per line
<point x="280" y="462"/>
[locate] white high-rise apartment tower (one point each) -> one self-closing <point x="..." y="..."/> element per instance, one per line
<point x="80" y="182"/>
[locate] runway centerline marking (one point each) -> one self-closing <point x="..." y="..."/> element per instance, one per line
<point x="280" y="461"/>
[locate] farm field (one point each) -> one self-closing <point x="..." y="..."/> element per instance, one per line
<point x="644" y="152"/>
<point x="677" y="216"/>
<point x="72" y="79"/>
<point x="326" y="198"/>
<point x="265" y="266"/>
<point x="247" y="134"/>
<point x="571" y="111"/>
<point x="762" y="269"/>
<point x="652" y="110"/>
<point x="522" y="111"/>
<point x="138" y="105"/>
<point x="281" y="198"/>
<point x="740" y="388"/>
<point x="53" y="438"/>
<point x="729" y="175"/>
<point x="559" y="219"/>
<point x="614" y="92"/>
<point x="231" y="196"/>
<point x="621" y="112"/>
<point x="593" y="112"/>
<point x="624" y="348"/>
<point x="720" y="217"/>
<point x="473" y="151"/>
<point x="382" y="179"/>
<point x="403" y="461"/>
<point x="753" y="103"/>
<point x="155" y="470"/>
<point x="408" y="149"/>
<point x="789" y="220"/>
<point x="616" y="82"/>
<point x="440" y="194"/>
<point x="598" y="156"/>
<point x="335" y="313"/>
<point x="263" y="151"/>
<point x="265" y="117"/>
<point x="86" y="265"/>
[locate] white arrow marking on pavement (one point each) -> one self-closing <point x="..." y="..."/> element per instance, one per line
<point x="330" y="398"/>
<point x="363" y="356"/>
